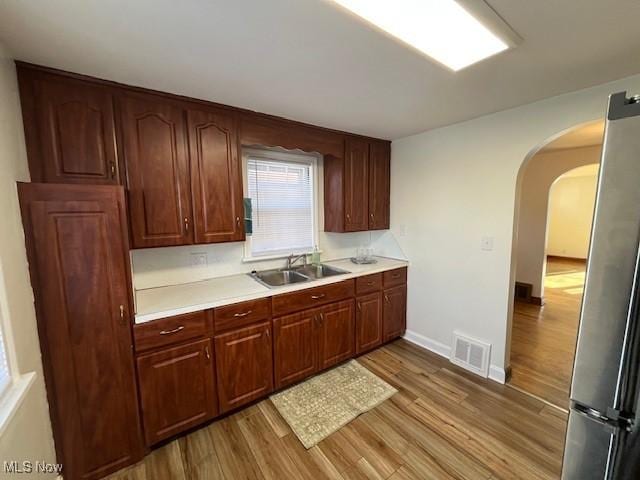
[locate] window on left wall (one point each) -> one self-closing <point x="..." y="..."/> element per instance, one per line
<point x="5" y="373"/>
<point x="281" y="189"/>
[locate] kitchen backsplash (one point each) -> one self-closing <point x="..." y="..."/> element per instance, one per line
<point x="155" y="267"/>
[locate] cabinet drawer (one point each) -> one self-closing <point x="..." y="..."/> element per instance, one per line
<point x="369" y="283"/>
<point x="170" y="330"/>
<point x="241" y="314"/>
<point x="395" y="277"/>
<point x="312" y="297"/>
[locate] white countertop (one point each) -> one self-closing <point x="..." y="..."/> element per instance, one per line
<point x="160" y="302"/>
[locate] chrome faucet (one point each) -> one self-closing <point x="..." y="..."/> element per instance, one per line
<point x="291" y="259"/>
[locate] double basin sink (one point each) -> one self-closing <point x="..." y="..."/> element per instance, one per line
<point x="305" y="273"/>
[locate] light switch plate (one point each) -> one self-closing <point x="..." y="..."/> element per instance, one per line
<point x="199" y="259"/>
<point x="486" y="243"/>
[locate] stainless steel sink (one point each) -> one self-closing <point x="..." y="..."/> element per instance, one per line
<point x="278" y="278"/>
<point x="320" y="271"/>
<point x="305" y="273"/>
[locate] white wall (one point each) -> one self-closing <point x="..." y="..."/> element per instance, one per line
<point x="571" y="203"/>
<point x="27" y="436"/>
<point x="451" y="186"/>
<point x="537" y="177"/>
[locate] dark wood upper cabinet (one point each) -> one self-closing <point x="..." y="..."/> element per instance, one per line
<point x="216" y="176"/>
<point x="394" y="319"/>
<point x="79" y="266"/>
<point x="244" y="365"/>
<point x="295" y="347"/>
<point x="356" y="180"/>
<point x="379" y="185"/>
<point x="69" y="129"/>
<point x="356" y="187"/>
<point x="177" y="389"/>
<point x="368" y="322"/>
<point x="336" y="333"/>
<point x="157" y="161"/>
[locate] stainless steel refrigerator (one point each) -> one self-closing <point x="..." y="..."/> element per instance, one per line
<point x="602" y="434"/>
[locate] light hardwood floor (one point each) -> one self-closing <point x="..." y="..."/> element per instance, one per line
<point x="444" y="423"/>
<point x="543" y="339"/>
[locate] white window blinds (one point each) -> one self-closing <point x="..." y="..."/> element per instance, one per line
<point x="282" y="200"/>
<point x="5" y="377"/>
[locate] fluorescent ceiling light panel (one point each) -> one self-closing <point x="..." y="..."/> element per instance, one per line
<point x="442" y="29"/>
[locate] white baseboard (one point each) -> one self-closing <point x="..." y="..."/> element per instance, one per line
<point x="426" y="342"/>
<point x="497" y="374"/>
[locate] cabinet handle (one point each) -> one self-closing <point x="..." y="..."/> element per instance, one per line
<point x="386" y="298"/>
<point x="186" y="224"/>
<point x="359" y="306"/>
<point x="266" y="333"/>
<point x="113" y="170"/>
<point x="371" y="215"/>
<point x="206" y="352"/>
<point x="175" y="330"/>
<point x="369" y="284"/>
<point x="348" y="217"/>
<point x="240" y="315"/>
<point x="321" y="318"/>
<point x="238" y="221"/>
<point x="122" y="314"/>
<point x="318" y="297"/>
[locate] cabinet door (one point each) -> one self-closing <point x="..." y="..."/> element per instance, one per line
<point x="79" y="265"/>
<point x="75" y="136"/>
<point x="394" y="312"/>
<point x="379" y="189"/>
<point x="336" y="333"/>
<point x="295" y="347"/>
<point x="216" y="177"/>
<point x="177" y="389"/>
<point x="368" y="322"/>
<point x="244" y="365"/>
<point x="356" y="185"/>
<point x="157" y="163"/>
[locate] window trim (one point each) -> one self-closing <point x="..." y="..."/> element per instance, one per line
<point x="295" y="156"/>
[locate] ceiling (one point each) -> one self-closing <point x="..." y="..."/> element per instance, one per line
<point x="310" y="61"/>
<point x="586" y="135"/>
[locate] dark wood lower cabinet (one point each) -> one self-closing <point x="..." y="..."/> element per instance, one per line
<point x="295" y="347"/>
<point x="394" y="319"/>
<point x="244" y="365"/>
<point x="79" y="264"/>
<point x="368" y="322"/>
<point x="336" y="333"/>
<point x="177" y="389"/>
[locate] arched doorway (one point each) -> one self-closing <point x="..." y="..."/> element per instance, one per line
<point x="556" y="199"/>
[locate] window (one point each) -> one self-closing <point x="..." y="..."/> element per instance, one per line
<point x="5" y="375"/>
<point x="281" y="188"/>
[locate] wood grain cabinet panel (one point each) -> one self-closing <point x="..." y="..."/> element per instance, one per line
<point x="311" y="297"/>
<point x="155" y="151"/>
<point x="336" y="333"/>
<point x="170" y="330"/>
<point x="356" y="185"/>
<point x="394" y="312"/>
<point x="69" y="129"/>
<point x="216" y="176"/>
<point x="368" y="322"/>
<point x="379" y="185"/>
<point x="244" y="364"/>
<point x="241" y="314"/>
<point x="177" y="389"/>
<point x="295" y="347"/>
<point x="79" y="263"/>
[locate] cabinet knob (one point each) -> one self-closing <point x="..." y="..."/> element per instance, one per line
<point x="186" y="224"/>
<point x="238" y="221"/>
<point x="386" y="298"/>
<point x="113" y="170"/>
<point x="266" y="334"/>
<point x="206" y="352"/>
<point x="359" y="306"/>
<point x="348" y="217"/>
<point x="122" y="314"/>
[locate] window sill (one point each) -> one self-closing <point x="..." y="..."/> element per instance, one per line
<point x="13" y="398"/>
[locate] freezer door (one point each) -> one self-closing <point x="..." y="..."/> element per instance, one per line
<point x="586" y="451"/>
<point x="604" y="319"/>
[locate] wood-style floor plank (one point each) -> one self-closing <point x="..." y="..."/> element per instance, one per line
<point x="543" y="339"/>
<point x="443" y="424"/>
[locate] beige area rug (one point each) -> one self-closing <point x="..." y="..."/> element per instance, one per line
<point x="321" y="405"/>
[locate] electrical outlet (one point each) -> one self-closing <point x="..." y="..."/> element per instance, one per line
<point x="199" y="259"/>
<point x="486" y="243"/>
